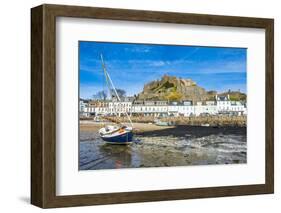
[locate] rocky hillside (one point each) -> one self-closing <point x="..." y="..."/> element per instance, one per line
<point x="176" y="89"/>
<point x="172" y="88"/>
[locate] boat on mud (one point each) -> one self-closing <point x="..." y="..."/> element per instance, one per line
<point x="163" y="123"/>
<point x="117" y="133"/>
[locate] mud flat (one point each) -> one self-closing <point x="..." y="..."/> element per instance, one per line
<point x="160" y="146"/>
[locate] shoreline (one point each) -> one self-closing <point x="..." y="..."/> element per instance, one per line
<point x="152" y="130"/>
<point x="138" y="127"/>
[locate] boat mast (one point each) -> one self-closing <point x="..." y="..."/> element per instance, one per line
<point x="106" y="78"/>
<point x="109" y="81"/>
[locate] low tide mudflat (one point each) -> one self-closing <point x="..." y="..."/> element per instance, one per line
<point x="161" y="146"/>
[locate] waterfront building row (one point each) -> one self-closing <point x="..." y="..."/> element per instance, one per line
<point x="163" y="108"/>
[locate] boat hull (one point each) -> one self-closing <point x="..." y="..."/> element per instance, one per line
<point x="119" y="139"/>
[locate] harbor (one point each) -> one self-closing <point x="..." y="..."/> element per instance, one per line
<point x="162" y="146"/>
<point x="171" y="121"/>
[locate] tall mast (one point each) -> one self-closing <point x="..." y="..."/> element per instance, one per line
<point x="106" y="78"/>
<point x="109" y="82"/>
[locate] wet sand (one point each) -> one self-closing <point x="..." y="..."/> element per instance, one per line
<point x="159" y="146"/>
<point x="87" y="126"/>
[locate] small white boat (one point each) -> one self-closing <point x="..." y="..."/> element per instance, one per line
<point x="163" y="123"/>
<point x="97" y="119"/>
<point x="206" y="125"/>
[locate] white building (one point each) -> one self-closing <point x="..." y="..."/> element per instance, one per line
<point x="82" y="105"/>
<point x="95" y="108"/>
<point x="82" y="108"/>
<point x="150" y="108"/>
<point x="238" y="108"/>
<point x="205" y="108"/>
<point x="185" y="110"/>
<point x="120" y="108"/>
<point x="173" y="109"/>
<point x="226" y="106"/>
<point x="221" y="105"/>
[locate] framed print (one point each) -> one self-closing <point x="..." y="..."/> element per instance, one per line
<point x="136" y="106"/>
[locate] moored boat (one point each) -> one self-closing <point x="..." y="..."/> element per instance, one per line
<point x="163" y="123"/>
<point x="115" y="134"/>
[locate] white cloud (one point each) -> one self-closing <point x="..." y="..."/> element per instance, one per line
<point x="139" y="49"/>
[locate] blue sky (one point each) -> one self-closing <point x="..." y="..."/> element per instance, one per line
<point x="132" y="65"/>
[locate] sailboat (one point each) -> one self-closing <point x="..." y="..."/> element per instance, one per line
<point x="118" y="133"/>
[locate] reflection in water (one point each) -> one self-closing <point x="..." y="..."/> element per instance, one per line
<point x="99" y="155"/>
<point x="120" y="154"/>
